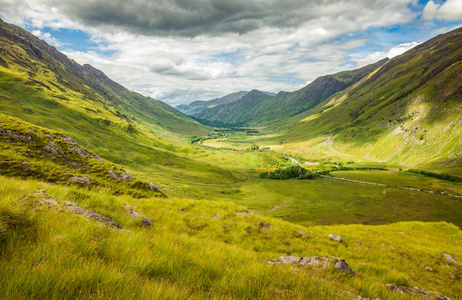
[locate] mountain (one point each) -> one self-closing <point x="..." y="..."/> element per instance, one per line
<point x="408" y="111"/>
<point x="40" y="85"/>
<point x="196" y="107"/>
<point x="235" y="113"/>
<point x="258" y="110"/>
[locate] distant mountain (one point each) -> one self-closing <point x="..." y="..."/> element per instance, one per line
<point x="407" y="111"/>
<point x="235" y="113"/>
<point x="197" y="106"/>
<point x="274" y="111"/>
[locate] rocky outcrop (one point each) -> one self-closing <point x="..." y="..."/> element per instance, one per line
<point x="323" y="262"/>
<point x="16" y="135"/>
<point x="85" y="153"/>
<point x="81" y="179"/>
<point x="125" y="176"/>
<point x="146" y="222"/>
<point x="71" y="207"/>
<point x="415" y="291"/>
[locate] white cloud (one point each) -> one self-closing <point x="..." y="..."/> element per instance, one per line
<point x="48" y="38"/>
<point x="449" y="10"/>
<point x="378" y="55"/>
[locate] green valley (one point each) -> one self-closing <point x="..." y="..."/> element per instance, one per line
<point x="108" y="194"/>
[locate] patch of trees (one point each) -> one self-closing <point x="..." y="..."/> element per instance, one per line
<point x="442" y="176"/>
<point x="289" y="173"/>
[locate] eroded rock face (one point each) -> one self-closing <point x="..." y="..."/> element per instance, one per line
<point x="69" y="206"/>
<point x="415" y="291"/>
<point x="323" y="262"/>
<point x="146" y="222"/>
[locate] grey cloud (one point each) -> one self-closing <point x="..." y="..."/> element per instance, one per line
<point x="210" y="17"/>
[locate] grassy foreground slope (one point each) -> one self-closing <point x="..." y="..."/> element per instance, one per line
<point x="201" y="249"/>
<point x="408" y="112"/>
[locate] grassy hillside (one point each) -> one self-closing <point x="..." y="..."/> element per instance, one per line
<point x="275" y="111"/>
<point x="200" y="249"/>
<point x="407" y="112"/>
<point x="38" y="83"/>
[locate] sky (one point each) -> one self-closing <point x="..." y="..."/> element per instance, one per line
<point x="179" y="51"/>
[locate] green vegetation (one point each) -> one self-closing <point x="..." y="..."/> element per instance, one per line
<point x="81" y="139"/>
<point x="436" y="175"/>
<point x="289" y="173"/>
<point x="201" y="249"/>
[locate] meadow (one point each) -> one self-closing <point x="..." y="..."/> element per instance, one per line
<point x="203" y="249"/>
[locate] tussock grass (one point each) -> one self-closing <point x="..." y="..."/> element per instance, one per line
<point x="203" y="249"/>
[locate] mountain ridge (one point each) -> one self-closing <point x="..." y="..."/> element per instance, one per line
<point x="196" y="107"/>
<point x="284" y="105"/>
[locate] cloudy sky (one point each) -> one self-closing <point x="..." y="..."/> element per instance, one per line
<point x="179" y="51"/>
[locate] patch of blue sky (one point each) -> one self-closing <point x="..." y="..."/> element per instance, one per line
<point x="76" y="40"/>
<point x="286" y="79"/>
<point x="227" y="56"/>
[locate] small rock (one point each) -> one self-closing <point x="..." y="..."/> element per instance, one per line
<point x="146" y="222"/>
<point x="81" y="179"/>
<point x="26" y="166"/>
<point x="52" y="148"/>
<point x="68" y="139"/>
<point x="335" y="238"/>
<point x="85" y="153"/>
<point x="415" y="291"/>
<point x="429" y="269"/>
<point x="69" y="206"/>
<point x="152" y="187"/>
<point x="214" y="217"/>
<point x="299" y="232"/>
<point x="119" y="177"/>
<point x="450" y="258"/>
<point x="323" y="262"/>
<point x="41" y="198"/>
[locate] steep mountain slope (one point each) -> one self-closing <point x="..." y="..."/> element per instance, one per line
<point x="198" y="106"/>
<point x="276" y="111"/>
<point x="40" y="85"/>
<point x="51" y="80"/>
<point x="409" y="111"/>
